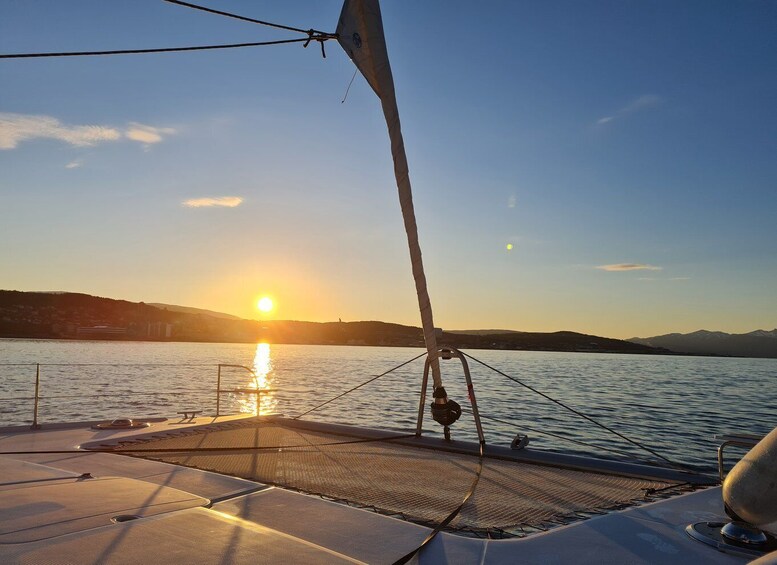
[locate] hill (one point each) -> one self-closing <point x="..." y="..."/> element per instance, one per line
<point x="483" y="332"/>
<point x="759" y="343"/>
<point x="81" y="316"/>
<point x="190" y="310"/>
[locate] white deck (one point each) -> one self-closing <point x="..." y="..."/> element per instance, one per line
<point x="202" y="517"/>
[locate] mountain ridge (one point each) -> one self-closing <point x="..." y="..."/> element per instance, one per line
<point x="82" y="316"/>
<point x="758" y="343"/>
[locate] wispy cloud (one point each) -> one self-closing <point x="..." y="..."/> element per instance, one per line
<point x="74" y="164"/>
<point x="15" y="128"/>
<point x="640" y="103"/>
<point x="619" y="267"/>
<point x="223" y="201"/>
<point x="511" y="200"/>
<point x="147" y="134"/>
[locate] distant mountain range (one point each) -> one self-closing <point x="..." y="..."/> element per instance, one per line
<point x="58" y="315"/>
<point x="759" y="343"/>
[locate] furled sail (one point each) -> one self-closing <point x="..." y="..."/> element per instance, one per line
<point x="360" y="33"/>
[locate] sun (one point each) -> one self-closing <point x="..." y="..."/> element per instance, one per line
<point x="265" y="304"/>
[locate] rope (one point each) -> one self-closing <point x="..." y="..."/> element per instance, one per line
<point x="139" y="51"/>
<point x="359" y="386"/>
<point x="407" y="557"/>
<point x="584" y="416"/>
<point x="347" y="90"/>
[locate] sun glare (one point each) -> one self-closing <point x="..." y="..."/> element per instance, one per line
<point x="265" y="304"/>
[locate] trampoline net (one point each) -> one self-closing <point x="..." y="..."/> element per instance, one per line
<point x="417" y="484"/>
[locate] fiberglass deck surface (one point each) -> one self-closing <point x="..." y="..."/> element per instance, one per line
<point x="418" y="484"/>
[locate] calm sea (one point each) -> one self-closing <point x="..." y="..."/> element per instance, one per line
<point x="674" y="405"/>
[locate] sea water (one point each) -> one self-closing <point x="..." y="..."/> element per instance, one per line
<point x="672" y="404"/>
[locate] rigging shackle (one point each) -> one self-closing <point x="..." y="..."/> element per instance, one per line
<point x="444" y="411"/>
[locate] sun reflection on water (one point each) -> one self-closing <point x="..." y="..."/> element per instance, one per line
<point x="262" y="380"/>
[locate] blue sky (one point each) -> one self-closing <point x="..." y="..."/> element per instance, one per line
<point x="626" y="150"/>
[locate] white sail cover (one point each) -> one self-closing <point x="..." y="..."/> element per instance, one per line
<point x="360" y="33"/>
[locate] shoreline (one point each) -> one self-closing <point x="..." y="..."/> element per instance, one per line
<point x="666" y="353"/>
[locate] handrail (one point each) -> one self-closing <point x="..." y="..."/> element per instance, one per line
<point x="38" y="397"/>
<point x="257" y="391"/>
<point x="738" y="439"/>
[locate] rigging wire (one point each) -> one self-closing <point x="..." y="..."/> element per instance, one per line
<point x="312" y="35"/>
<point x="584" y="416"/>
<point x="252" y="20"/>
<point x="157" y="50"/>
<point x="298" y="416"/>
<point x="555" y="435"/>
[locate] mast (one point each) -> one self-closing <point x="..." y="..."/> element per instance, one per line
<point x="360" y="34"/>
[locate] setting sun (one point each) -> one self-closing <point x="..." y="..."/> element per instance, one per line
<point x="265" y="304"/>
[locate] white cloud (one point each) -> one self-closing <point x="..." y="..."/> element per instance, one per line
<point x="224" y="201"/>
<point x="511" y="201"/>
<point x="146" y="134"/>
<point x="639" y="103"/>
<point x="618" y="267"/>
<point x="15" y="128"/>
<point x="74" y="164"/>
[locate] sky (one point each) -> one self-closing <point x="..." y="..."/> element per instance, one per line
<point x="601" y="167"/>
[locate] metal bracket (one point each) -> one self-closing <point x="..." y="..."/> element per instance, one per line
<point x="449" y="353"/>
